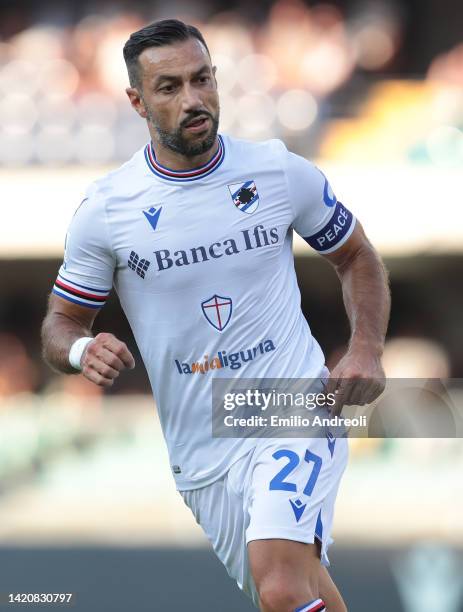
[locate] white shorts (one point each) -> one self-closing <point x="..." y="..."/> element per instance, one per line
<point x="283" y="488"/>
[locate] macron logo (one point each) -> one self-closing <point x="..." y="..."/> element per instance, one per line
<point x="298" y="508"/>
<point x="152" y="214"/>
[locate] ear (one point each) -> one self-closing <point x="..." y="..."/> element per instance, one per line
<point x="214" y="70"/>
<point x="136" y="101"/>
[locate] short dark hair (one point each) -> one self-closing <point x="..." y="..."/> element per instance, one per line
<point x="157" y="34"/>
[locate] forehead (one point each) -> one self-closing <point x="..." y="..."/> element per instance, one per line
<point x="178" y="59"/>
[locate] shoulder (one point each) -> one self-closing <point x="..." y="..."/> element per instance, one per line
<point x="116" y="185"/>
<point x="122" y="182"/>
<point x="274" y="154"/>
<point x="273" y="150"/>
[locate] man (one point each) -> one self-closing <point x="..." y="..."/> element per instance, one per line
<point x="195" y="234"/>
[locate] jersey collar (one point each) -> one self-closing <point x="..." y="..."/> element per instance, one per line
<point x="182" y="176"/>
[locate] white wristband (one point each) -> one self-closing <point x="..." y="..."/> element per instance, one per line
<point x="77" y="350"/>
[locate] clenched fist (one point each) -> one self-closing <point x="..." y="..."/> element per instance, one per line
<point x="104" y="359"/>
<point x="358" y="379"/>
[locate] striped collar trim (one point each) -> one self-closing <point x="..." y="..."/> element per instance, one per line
<point x="181" y="176"/>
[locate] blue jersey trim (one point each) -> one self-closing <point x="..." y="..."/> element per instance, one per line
<point x="319" y="527"/>
<point x="83" y="286"/>
<point x="334" y="232"/>
<point x="181" y="179"/>
<point x="69" y="299"/>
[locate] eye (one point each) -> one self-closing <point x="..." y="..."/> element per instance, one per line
<point x="204" y="79"/>
<point x="167" y="89"/>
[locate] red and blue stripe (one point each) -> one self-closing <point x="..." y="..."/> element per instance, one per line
<point x="317" y="605"/>
<point x="80" y="294"/>
<point x="181" y="176"/>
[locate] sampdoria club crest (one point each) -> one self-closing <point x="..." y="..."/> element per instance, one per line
<point x="245" y="196"/>
<point x="217" y="310"/>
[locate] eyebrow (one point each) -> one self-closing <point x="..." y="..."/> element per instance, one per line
<point x="170" y="77"/>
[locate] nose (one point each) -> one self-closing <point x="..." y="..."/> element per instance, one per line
<point x="191" y="98"/>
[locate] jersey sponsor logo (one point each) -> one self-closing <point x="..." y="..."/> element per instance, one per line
<point x="246" y="240"/>
<point x="328" y="196"/>
<point x="224" y="359"/>
<point x="140" y="266"/>
<point x="298" y="508"/>
<point x="334" y="231"/>
<point x="218" y="311"/>
<point x="152" y="214"/>
<point x="245" y="196"/>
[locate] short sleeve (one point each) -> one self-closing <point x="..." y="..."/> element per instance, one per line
<point x="86" y="274"/>
<point x="319" y="217"/>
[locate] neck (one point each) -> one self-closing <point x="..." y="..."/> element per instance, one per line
<point x="176" y="161"/>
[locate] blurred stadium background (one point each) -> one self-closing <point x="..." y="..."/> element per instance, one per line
<point x="370" y="90"/>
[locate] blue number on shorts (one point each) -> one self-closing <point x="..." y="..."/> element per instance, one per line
<point x="317" y="465"/>
<point x="278" y="482"/>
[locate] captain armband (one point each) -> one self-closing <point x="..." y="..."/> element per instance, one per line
<point x="335" y="232"/>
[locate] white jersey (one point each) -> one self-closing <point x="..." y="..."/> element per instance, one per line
<point x="202" y="263"/>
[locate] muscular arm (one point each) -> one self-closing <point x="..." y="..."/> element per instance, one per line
<point x="65" y="322"/>
<point x="365" y="291"/>
<point x="367" y="301"/>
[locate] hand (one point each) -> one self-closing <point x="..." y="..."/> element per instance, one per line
<point x="104" y="359"/>
<point x="358" y="379"/>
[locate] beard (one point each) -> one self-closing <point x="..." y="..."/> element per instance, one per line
<point x="175" y="140"/>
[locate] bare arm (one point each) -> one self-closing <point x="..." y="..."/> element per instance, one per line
<point x="65" y="322"/>
<point x="366" y="298"/>
<point x="365" y="291"/>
